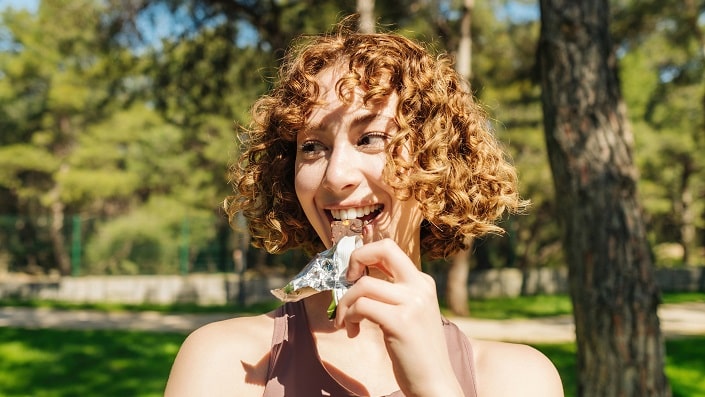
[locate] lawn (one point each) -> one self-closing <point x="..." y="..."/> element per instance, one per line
<point x="47" y="363"/>
<point x="495" y="308"/>
<point x="685" y="366"/>
<point x="547" y="305"/>
<point x="52" y="363"/>
<point x="84" y="363"/>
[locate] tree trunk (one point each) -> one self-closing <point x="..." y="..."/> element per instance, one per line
<point x="459" y="270"/>
<point x="366" y="9"/>
<point x="457" y="283"/>
<point x="684" y="210"/>
<point x="242" y="246"/>
<point x="463" y="63"/>
<point x="56" y="233"/>
<point x="615" y="297"/>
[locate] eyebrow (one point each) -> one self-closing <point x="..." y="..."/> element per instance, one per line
<point x="358" y="120"/>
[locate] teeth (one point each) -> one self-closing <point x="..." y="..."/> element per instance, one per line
<point x="352" y="213"/>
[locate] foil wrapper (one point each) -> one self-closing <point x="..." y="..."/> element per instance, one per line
<point x="326" y="271"/>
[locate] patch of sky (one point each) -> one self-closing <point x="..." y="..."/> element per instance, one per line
<point x="519" y="11"/>
<point x="6" y="41"/>
<point x="29" y="5"/>
<point x="158" y="23"/>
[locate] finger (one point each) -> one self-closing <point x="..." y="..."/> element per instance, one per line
<point x="377" y="289"/>
<point x="384" y="255"/>
<point x="365" y="309"/>
<point x="371" y="288"/>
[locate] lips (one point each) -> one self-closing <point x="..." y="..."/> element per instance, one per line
<point x="364" y="213"/>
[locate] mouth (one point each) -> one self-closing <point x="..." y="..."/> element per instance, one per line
<point x="365" y="213"/>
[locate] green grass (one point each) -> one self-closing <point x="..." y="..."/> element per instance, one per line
<point x="52" y="363"/>
<point x="495" y="308"/>
<point x="85" y="363"/>
<point x="685" y="366"/>
<point x="547" y="305"/>
<point x="256" y="308"/>
<point x="521" y="307"/>
<point x="684" y="297"/>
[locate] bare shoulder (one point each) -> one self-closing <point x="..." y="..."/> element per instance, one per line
<point x="224" y="358"/>
<point x="510" y="369"/>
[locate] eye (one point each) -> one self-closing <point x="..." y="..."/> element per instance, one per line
<point x="311" y="149"/>
<point x="373" y="141"/>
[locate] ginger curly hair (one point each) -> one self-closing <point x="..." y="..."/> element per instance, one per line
<point x="453" y="166"/>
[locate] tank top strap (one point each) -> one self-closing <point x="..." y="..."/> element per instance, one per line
<point x="296" y="370"/>
<point x="294" y="366"/>
<point x="280" y="334"/>
<point x="462" y="357"/>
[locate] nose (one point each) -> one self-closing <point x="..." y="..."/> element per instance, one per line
<point x="342" y="170"/>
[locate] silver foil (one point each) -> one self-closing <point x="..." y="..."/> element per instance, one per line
<point x="326" y="271"/>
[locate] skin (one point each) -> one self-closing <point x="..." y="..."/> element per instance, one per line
<point x="391" y="314"/>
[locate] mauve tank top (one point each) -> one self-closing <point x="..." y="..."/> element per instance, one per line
<point x="295" y="370"/>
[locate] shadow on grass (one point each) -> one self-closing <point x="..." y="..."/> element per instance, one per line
<point x="85" y="363"/>
<point x="685" y="365"/>
<point x="256" y="308"/>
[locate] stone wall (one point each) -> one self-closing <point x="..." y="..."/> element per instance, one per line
<point x="203" y="289"/>
<point x="224" y="288"/>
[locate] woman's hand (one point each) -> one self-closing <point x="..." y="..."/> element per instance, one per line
<point x="405" y="307"/>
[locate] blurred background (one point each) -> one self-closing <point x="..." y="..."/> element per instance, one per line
<point x="118" y="122"/>
<point x="119" y="119"/>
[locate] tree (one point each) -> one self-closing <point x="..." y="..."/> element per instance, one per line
<point x="589" y="141"/>
<point x="457" y="284"/>
<point x="86" y="139"/>
<point x="366" y="10"/>
<point x="664" y="48"/>
<point x="52" y="88"/>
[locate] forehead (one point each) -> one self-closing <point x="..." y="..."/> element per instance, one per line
<point x="330" y="107"/>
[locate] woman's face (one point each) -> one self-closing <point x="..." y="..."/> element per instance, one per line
<point x="339" y="162"/>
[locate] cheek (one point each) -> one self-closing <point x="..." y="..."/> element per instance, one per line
<point x="300" y="185"/>
<point x="305" y="181"/>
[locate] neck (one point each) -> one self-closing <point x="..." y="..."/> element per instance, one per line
<point x="317" y="311"/>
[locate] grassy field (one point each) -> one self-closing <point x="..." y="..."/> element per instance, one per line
<point x="52" y="363"/>
<point x="495" y="308"/>
<point x="685" y="366"/>
<point x="84" y="363"/>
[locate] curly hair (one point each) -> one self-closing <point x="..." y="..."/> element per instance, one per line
<point x="453" y="165"/>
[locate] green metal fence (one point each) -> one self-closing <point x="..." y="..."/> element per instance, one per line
<point x="108" y="246"/>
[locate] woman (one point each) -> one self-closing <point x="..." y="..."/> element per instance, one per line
<point x="376" y="128"/>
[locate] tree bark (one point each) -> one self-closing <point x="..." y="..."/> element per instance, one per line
<point x="684" y="210"/>
<point x="366" y="9"/>
<point x="56" y="233"/>
<point x="464" y="58"/>
<point x="457" y="283"/>
<point x="589" y="141"/>
<point x="459" y="270"/>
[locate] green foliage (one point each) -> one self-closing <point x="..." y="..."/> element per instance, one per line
<point x="663" y="65"/>
<point x="18" y="160"/>
<point x="99" y="118"/>
<point x="149" y="239"/>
